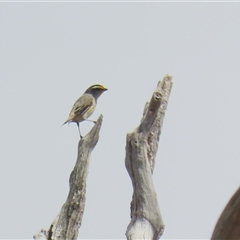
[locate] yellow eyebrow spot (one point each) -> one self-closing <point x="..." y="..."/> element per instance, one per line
<point x="99" y="87"/>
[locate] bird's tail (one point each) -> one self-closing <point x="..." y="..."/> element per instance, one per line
<point x="68" y="121"/>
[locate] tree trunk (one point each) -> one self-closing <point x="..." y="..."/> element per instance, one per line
<point x="141" y="148"/>
<point x="68" y="221"/>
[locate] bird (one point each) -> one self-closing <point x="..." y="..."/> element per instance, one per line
<point x="85" y="105"/>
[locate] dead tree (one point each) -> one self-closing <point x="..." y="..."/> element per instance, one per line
<point x="141" y="151"/>
<point x="141" y="148"/>
<point x="68" y="221"/>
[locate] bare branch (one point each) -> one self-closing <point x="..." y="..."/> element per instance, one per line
<point x="141" y="149"/>
<point x="228" y="225"/>
<point x="66" y="224"/>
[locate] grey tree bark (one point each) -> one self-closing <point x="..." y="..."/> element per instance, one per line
<point x="228" y="225"/>
<point x="141" y="148"/>
<point x="68" y="221"/>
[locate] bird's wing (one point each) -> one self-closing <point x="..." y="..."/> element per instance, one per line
<point x="82" y="105"/>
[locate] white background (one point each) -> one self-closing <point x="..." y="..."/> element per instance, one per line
<point x="51" y="52"/>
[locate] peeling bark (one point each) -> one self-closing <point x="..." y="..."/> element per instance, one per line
<point x="141" y="148"/>
<point x="67" y="223"/>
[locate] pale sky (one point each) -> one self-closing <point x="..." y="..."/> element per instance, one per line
<point x="51" y="52"/>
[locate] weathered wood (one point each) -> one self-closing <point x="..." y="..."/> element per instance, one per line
<point x="141" y="148"/>
<point x="67" y="223"/>
<point x="228" y="225"/>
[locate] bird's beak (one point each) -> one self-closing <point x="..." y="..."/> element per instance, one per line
<point x="105" y="89"/>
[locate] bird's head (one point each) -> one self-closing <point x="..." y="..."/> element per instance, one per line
<point x="96" y="90"/>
